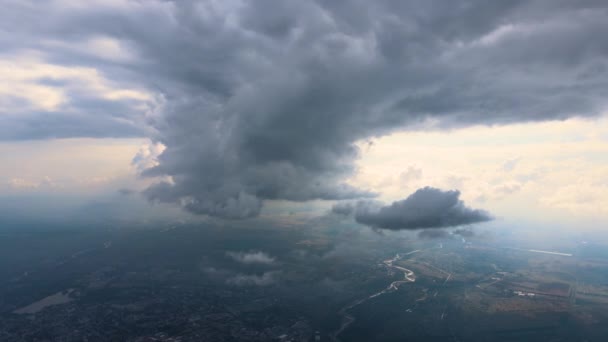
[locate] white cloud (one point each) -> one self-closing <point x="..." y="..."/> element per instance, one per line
<point x="253" y="257"/>
<point x="20" y="183"/>
<point x="147" y="156"/>
<point x="267" y="278"/>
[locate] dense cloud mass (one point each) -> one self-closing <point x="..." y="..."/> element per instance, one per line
<point x="258" y="100"/>
<point x="426" y="208"/>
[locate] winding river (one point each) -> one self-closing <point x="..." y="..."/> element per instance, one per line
<point x="408" y="277"/>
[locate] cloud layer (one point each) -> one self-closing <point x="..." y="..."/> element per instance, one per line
<point x="426" y="208"/>
<point x="264" y="100"/>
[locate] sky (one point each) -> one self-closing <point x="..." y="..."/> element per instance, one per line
<point x="400" y="114"/>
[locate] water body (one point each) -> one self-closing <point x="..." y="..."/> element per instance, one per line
<point x="408" y="277"/>
<point x="54" y="299"/>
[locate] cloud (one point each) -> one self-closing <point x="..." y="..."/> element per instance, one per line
<point x="426" y="208"/>
<point x="464" y="232"/>
<point x="256" y="101"/>
<point x="510" y="164"/>
<point x="147" y="155"/>
<point x="126" y="191"/>
<point x="266" y="279"/>
<point x="345" y="209"/>
<point x="49" y="100"/>
<point x="446" y="234"/>
<point x="433" y="234"/>
<point x="508" y="188"/>
<point x="252" y="257"/>
<point x="412" y="173"/>
<point x="21" y="183"/>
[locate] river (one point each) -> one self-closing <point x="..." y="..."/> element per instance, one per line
<point x="408" y="277"/>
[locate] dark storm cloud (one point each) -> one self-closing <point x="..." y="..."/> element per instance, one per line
<point x="264" y="100"/>
<point x="351" y="208"/>
<point x="426" y="208"/>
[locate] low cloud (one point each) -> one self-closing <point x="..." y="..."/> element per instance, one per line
<point x="464" y="232"/>
<point x="253" y="257"/>
<point x="267" y="278"/>
<point x="345" y="209"/>
<point x="20" y="183"/>
<point x="433" y="234"/>
<point x="446" y="234"/>
<point x="426" y="208"/>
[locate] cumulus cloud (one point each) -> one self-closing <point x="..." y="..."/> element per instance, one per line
<point x="253" y="257"/>
<point x="265" y="279"/>
<point x="147" y="156"/>
<point x="260" y="101"/>
<point x="426" y="208"/>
